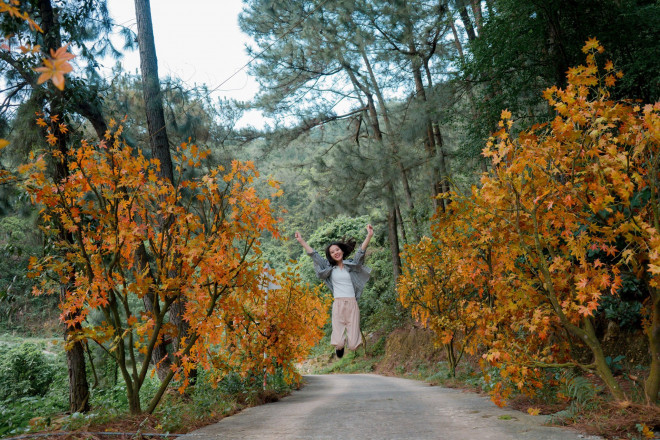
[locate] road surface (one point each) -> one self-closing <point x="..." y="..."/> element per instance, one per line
<point x="368" y="406"/>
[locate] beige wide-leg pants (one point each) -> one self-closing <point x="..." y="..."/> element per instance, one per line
<point x="345" y="317"/>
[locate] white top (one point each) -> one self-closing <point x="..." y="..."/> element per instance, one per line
<point x="342" y="287"/>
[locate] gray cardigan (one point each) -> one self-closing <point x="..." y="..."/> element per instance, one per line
<point x="359" y="273"/>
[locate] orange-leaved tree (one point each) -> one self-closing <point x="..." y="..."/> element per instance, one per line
<point x="53" y="67"/>
<point x="444" y="282"/>
<point x="568" y="210"/>
<point x="274" y="329"/>
<point x="576" y="202"/>
<point x="202" y="237"/>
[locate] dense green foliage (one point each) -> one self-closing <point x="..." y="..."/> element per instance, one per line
<point x="24" y="371"/>
<point x="32" y="372"/>
<point x="527" y="46"/>
<point x="20" y="311"/>
<point x="30" y="377"/>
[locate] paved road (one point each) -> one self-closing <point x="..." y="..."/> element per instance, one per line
<point x="367" y="406"/>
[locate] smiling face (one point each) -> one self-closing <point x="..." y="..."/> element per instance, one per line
<point x="336" y="253"/>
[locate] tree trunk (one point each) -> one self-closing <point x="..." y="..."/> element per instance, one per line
<point x="75" y="356"/>
<point x="476" y="11"/>
<point x="603" y="369"/>
<point x="92" y="113"/>
<point x="158" y="140"/>
<point x="652" y="384"/>
<point x="394" y="243"/>
<point x="457" y="40"/>
<point x="402" y="225"/>
<point x="92" y="366"/>
<point x="433" y="143"/>
<point x="429" y="142"/>
<point x="435" y="149"/>
<point x="160" y="358"/>
<point x="467" y="23"/>
<point x="556" y="44"/>
<point x="451" y="358"/>
<point x="393" y="149"/>
<point x="442" y="165"/>
<point x="372" y="118"/>
<point x="153" y="101"/>
<point x="78" y="386"/>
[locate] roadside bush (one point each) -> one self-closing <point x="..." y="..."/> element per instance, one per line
<point x="32" y="388"/>
<point x="16" y="414"/>
<point x="24" y="372"/>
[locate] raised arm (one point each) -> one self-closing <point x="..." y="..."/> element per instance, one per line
<point x="370" y="233"/>
<point x="322" y="268"/>
<point x="303" y="243"/>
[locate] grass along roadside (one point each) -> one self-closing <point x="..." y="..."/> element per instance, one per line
<point x="34" y="400"/>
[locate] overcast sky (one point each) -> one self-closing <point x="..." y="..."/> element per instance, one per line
<point x="198" y="41"/>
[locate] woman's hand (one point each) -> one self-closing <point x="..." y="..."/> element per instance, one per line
<point x="303" y="243"/>
<point x="370" y="233"/>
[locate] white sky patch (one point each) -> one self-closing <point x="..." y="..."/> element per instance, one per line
<point x="198" y="41"/>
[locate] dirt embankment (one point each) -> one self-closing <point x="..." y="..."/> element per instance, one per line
<point x="407" y="349"/>
<point x="411" y="347"/>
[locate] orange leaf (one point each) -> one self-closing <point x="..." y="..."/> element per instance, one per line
<point x="56" y="67"/>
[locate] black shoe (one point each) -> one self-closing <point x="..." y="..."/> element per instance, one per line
<point x="340" y="352"/>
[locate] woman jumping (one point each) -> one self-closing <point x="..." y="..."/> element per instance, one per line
<point x="346" y="280"/>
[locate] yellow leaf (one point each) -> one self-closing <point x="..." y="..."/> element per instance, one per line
<point x="533" y="411"/>
<point x="592" y="43"/>
<point x="3" y="143"/>
<point x="654" y="269"/>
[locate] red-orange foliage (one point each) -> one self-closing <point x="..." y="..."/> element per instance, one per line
<point x="566" y="208"/>
<point x="443" y="283"/>
<point x="202" y="238"/>
<point x="273" y="329"/>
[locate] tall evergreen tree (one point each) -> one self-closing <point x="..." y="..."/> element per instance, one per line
<point x="328" y="50"/>
<point x="411" y="34"/>
<point x="160" y="149"/>
<point x="85" y="25"/>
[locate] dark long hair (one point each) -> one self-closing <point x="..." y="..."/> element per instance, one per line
<point x="346" y="245"/>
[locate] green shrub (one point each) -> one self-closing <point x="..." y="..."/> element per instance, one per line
<point x="15" y="414"/>
<point x="582" y="393"/>
<point x="33" y="387"/>
<point x="627" y="314"/>
<point x="24" y="372"/>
